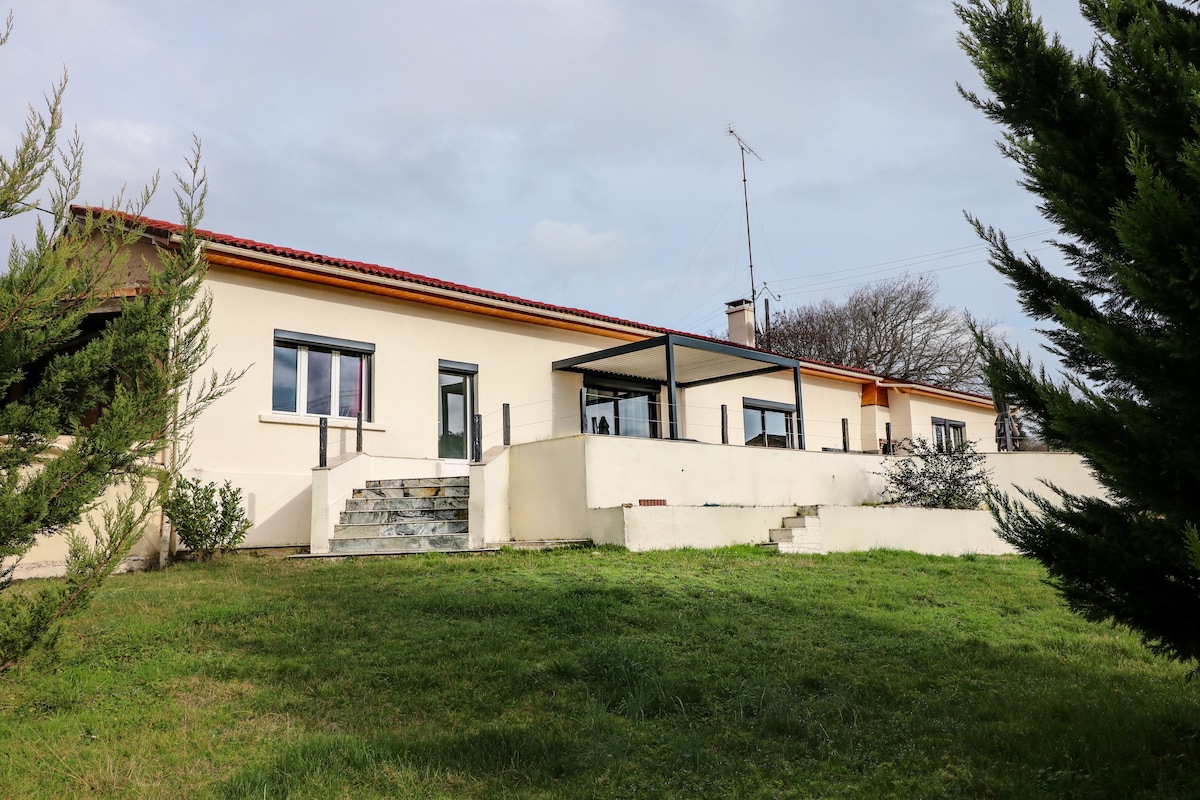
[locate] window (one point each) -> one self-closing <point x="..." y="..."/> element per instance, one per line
<point x="456" y="404"/>
<point x="616" y="409"/>
<point x="948" y="434"/>
<point x="767" y="424"/>
<point x="321" y="376"/>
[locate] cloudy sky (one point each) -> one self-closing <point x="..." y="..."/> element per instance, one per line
<point x="571" y="151"/>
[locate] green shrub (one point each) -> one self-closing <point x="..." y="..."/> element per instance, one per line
<point x="207" y="518"/>
<point x="954" y="477"/>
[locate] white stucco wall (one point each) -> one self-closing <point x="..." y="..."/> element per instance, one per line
<point x="591" y="487"/>
<point x="934" y="531"/>
<point x="271" y="455"/>
<point x="912" y="415"/>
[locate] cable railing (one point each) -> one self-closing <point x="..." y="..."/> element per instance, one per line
<point x="699" y="422"/>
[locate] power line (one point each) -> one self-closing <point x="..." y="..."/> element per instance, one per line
<point x="821" y="286"/>
<point x="902" y="263"/>
<point x="885" y="266"/>
<point x="695" y="255"/>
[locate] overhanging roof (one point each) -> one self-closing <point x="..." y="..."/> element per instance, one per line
<point x="697" y="361"/>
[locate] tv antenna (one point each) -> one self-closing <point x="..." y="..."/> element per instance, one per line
<point x="745" y="148"/>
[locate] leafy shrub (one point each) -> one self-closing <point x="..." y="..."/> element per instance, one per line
<point x="933" y="478"/>
<point x="207" y="518"/>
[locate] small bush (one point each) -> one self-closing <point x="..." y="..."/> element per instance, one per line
<point x="933" y="478"/>
<point x="207" y="518"/>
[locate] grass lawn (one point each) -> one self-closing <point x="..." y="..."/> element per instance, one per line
<point x="596" y="673"/>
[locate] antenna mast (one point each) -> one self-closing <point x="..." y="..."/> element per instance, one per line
<point x="745" y="148"/>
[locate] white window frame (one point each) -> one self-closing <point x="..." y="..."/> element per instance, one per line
<point x="305" y="343"/>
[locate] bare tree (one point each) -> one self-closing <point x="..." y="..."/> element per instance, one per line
<point x="894" y="327"/>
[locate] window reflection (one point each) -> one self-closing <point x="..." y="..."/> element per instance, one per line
<point x="622" y="412"/>
<point x="452" y="415"/>
<point x="767" y="427"/>
<point x="284" y="379"/>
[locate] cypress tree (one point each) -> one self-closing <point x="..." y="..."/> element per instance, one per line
<point x="1109" y="142"/>
<point x="95" y="379"/>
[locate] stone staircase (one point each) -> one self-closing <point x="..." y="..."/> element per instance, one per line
<point x="799" y="534"/>
<point x="410" y="515"/>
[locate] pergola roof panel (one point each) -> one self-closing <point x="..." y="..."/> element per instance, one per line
<point x="697" y="361"/>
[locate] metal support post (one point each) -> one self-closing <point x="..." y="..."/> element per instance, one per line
<point x="323" y="446"/>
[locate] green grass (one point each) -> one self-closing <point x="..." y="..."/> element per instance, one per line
<point x="596" y="673"/>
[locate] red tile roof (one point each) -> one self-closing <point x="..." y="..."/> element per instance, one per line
<point x="155" y="226"/>
<point x="161" y="227"/>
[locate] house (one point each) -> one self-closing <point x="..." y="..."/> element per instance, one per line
<point x="533" y="421"/>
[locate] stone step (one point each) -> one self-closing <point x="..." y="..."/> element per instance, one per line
<point x="368" y="517"/>
<point x="781" y="534"/>
<point x="432" y="543"/>
<point x="544" y="544"/>
<point x="405" y="483"/>
<point x="799" y="547"/>
<point x="413" y="528"/>
<point x="796" y="522"/>
<point x="413" y="504"/>
<point x="383" y="492"/>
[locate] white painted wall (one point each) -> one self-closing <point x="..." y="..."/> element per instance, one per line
<point x="556" y="489"/>
<point x="934" y="531"/>
<point x="271" y="456"/>
<point x="912" y="415"/>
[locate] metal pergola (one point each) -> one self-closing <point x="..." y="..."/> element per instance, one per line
<point x="680" y="362"/>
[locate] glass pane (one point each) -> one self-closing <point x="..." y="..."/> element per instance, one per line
<point x="939" y="437"/>
<point x="634" y="415"/>
<point x="752" y="422"/>
<point x="956" y="436"/>
<point x="601" y="413"/>
<point x="320" y="377"/>
<point x="452" y="416"/>
<point x="283" y="379"/>
<point x="776" y="428"/>
<point x="349" y="384"/>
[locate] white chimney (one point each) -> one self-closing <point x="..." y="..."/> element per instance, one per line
<point x="741" y="322"/>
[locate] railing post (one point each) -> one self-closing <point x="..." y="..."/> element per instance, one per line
<point x="476" y="438"/>
<point x="845" y="435"/>
<point x="358" y="430"/>
<point x="323" y="446"/>
<point x="724" y="424"/>
<point x="583" y="410"/>
<point x="507" y="423"/>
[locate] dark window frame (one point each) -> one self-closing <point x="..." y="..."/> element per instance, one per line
<point x="948" y="431"/>
<point x="470" y="373"/>
<point x="625" y="389"/>
<point x="764" y="407"/>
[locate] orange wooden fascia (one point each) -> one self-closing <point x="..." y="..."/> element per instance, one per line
<point x="417" y="296"/>
<point x="874" y="395"/>
<point x="817" y="372"/>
